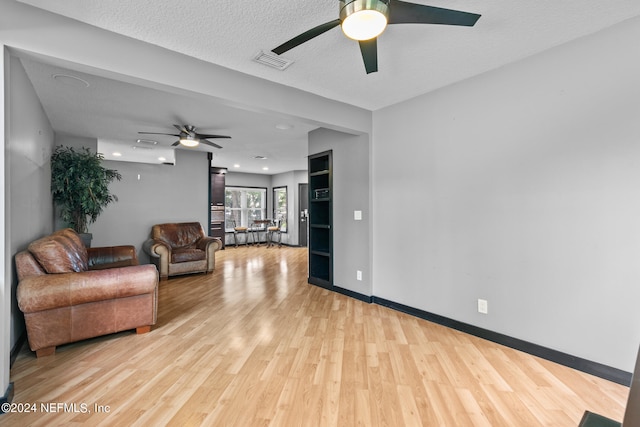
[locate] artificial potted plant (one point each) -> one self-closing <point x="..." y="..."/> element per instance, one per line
<point x="80" y="187"/>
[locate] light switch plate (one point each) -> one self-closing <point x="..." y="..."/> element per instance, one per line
<point x="483" y="306"/>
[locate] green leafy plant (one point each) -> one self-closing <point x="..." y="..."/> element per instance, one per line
<point x="80" y="185"/>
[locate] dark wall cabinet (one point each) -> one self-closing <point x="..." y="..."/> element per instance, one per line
<point x="216" y="198"/>
<point x="321" y="219"/>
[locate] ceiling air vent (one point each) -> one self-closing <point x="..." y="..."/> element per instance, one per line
<point x="272" y="60"/>
<point x="147" y="142"/>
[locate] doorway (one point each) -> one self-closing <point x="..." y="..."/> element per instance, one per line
<point x="303" y="218"/>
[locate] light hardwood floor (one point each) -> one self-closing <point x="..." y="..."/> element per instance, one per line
<point x="254" y="345"/>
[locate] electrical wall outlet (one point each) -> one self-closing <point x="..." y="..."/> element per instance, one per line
<point x="359" y="275"/>
<point x="483" y="306"/>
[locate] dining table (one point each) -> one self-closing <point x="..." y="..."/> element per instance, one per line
<point x="260" y="226"/>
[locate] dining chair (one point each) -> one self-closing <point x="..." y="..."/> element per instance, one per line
<point x="238" y="229"/>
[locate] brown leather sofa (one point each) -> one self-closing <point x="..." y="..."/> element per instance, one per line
<point x="68" y="292"/>
<point x="181" y="248"/>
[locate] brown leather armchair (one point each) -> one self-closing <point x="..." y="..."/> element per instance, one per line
<point x="181" y="248"/>
<point x="68" y="292"/>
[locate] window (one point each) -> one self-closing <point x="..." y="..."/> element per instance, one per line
<point x="244" y="205"/>
<point x="280" y="207"/>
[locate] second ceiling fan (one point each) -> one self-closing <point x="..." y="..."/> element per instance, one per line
<point x="365" y="20"/>
<point x="189" y="137"/>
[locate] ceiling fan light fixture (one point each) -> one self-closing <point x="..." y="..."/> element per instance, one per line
<point x="363" y="19"/>
<point x="189" y="141"/>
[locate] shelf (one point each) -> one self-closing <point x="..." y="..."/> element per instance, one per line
<point x="320" y="253"/>
<point x="320" y="213"/>
<point x="320" y="267"/>
<point x="320" y="220"/>
<point x="321" y="238"/>
<point x="320" y="163"/>
<point x="319" y="183"/>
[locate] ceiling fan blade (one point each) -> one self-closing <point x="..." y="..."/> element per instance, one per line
<point x="204" y="135"/>
<point x="204" y="141"/>
<point x="155" y="133"/>
<point x="369" y="50"/>
<point x="182" y="129"/>
<point x="306" y="36"/>
<point x="401" y="12"/>
<point x="175" y="144"/>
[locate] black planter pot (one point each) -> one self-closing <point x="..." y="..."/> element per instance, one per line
<point x="86" y="239"/>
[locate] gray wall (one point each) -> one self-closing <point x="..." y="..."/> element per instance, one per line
<point x="237" y="179"/>
<point x="522" y="187"/>
<point x="27" y="149"/>
<point x="351" y="239"/>
<point x="152" y="194"/>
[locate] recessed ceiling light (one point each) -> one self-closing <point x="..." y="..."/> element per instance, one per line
<point x="265" y="168"/>
<point x="284" y="126"/>
<point x="116" y="154"/>
<point x="236" y="165"/>
<point x="71" y="80"/>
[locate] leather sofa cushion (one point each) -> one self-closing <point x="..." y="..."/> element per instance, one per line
<point x="187" y="254"/>
<point x="112" y="257"/>
<point x="76" y="244"/>
<point x="58" y="254"/>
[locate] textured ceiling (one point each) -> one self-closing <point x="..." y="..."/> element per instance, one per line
<point x="413" y="59"/>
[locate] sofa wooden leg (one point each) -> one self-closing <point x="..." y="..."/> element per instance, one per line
<point x="143" y="329"/>
<point x="47" y="351"/>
